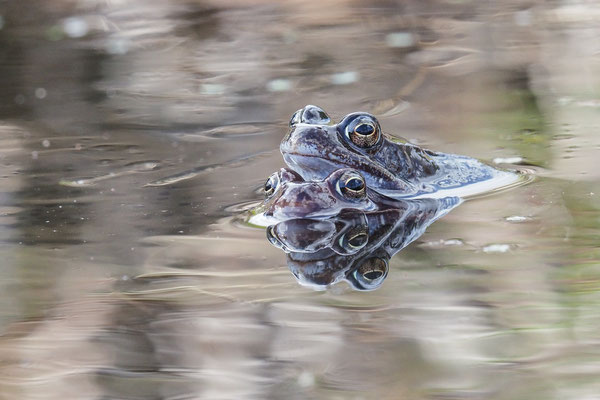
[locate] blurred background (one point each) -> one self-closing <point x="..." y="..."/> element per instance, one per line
<point x="133" y="133"/>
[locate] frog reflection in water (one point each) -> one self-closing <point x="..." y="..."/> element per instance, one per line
<point x="315" y="147"/>
<point x="338" y="229"/>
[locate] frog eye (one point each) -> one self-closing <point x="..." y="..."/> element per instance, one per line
<point x="352" y="185"/>
<point x="362" y="130"/>
<point x="295" y="118"/>
<point x="370" y="274"/>
<point x="271" y="184"/>
<point x="355" y="239"/>
<point x="365" y="134"/>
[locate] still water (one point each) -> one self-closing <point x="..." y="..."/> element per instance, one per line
<point x="134" y="135"/>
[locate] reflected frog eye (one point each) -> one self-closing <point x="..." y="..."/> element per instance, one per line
<point x="355" y="239"/>
<point x="371" y="273"/>
<point x="271" y="184"/>
<point x="358" y="240"/>
<point x="352" y="185"/>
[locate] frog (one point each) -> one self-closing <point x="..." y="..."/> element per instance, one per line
<point x="315" y="146"/>
<point x="289" y="196"/>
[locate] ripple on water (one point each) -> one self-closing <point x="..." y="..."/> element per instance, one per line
<point x="231" y="132"/>
<point x="128" y="169"/>
<point x="518" y="218"/>
<point x="497" y="248"/>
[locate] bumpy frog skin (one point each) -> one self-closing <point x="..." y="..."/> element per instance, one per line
<point x="354" y="246"/>
<point x="315" y="147"/>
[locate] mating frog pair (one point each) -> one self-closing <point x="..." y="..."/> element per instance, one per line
<point x="352" y="196"/>
<point x="353" y="164"/>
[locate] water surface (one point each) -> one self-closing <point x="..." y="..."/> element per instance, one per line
<point x="133" y="134"/>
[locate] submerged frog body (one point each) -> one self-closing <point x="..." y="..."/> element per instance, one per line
<point x="315" y="147"/>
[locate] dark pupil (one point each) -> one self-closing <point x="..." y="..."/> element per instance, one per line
<point x="364" y="129"/>
<point x="355" y="184"/>
<point x="358" y="240"/>
<point x="373" y="274"/>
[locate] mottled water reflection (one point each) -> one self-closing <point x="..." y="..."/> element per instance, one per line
<point x="120" y="281"/>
